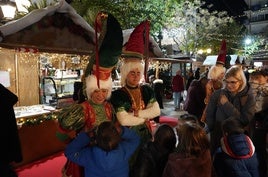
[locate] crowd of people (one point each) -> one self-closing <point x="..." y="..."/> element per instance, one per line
<point x="222" y="134"/>
<point x="110" y="133"/>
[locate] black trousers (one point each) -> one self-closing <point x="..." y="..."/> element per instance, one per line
<point x="259" y="141"/>
<point x="6" y="170"/>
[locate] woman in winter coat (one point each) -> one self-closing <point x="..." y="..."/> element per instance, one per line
<point x="235" y="99"/>
<point x="236" y="157"/>
<point x="194" y="103"/>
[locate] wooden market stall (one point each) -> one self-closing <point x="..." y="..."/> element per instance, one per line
<point x="57" y="36"/>
<point x="51" y="31"/>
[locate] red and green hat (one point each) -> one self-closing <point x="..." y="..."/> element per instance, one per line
<point x="108" y="48"/>
<point x="138" y="42"/>
<point x="222" y="53"/>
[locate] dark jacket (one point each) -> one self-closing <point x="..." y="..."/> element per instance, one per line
<point x="150" y="162"/>
<point x="194" y="103"/>
<point x="10" y="148"/>
<point x="177" y="83"/>
<point x="180" y="166"/>
<point x="241" y="105"/>
<point x="236" y="157"/>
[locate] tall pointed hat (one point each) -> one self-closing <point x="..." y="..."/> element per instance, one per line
<point x="222" y="53"/>
<point x="108" y="48"/>
<point x="237" y="61"/>
<point x="138" y="42"/>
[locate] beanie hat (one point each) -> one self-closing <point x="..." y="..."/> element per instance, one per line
<point x="108" y="48"/>
<point x="222" y="53"/>
<point x="237" y="61"/>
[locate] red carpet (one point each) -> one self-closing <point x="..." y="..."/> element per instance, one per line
<point x="47" y="167"/>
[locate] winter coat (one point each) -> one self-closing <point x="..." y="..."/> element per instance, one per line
<point x="180" y="166"/>
<point x="97" y="162"/>
<point x="194" y="103"/>
<point x="150" y="162"/>
<point x="236" y="157"/>
<point x="241" y="105"/>
<point x="177" y="83"/>
<point x="11" y="147"/>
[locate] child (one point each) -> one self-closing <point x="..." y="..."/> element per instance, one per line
<point x="153" y="157"/>
<point x="192" y="157"/>
<point x="109" y="157"/>
<point x="236" y="157"/>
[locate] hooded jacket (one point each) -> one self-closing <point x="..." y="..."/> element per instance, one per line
<point x="98" y="162"/>
<point x="236" y="157"/>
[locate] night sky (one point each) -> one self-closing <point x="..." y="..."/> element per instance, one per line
<point x="234" y="8"/>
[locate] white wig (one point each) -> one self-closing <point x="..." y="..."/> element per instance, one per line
<point x="91" y="85"/>
<point x="127" y="66"/>
<point x="215" y="71"/>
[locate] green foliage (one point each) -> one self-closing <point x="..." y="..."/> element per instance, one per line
<point x="190" y="26"/>
<point x="34" y="5"/>
<point x="129" y="13"/>
<point x="196" y="28"/>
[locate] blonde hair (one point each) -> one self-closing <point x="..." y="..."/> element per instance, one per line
<point x="238" y="73"/>
<point x="127" y="66"/>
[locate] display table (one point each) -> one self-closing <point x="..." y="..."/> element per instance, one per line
<point x="37" y="133"/>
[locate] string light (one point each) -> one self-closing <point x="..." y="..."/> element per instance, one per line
<point x="38" y="119"/>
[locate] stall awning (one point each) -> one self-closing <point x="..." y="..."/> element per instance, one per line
<point x="173" y="60"/>
<point x="211" y="60"/>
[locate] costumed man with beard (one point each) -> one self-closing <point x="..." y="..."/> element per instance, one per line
<point x="87" y="115"/>
<point x="135" y="103"/>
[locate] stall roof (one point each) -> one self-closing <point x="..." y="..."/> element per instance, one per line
<point x="174" y="60"/>
<point x="56" y="28"/>
<point x="211" y="60"/>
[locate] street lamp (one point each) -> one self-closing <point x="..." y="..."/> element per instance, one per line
<point x="247" y="42"/>
<point x="7" y="9"/>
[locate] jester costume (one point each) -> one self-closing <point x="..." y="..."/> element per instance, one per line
<point x="135" y="104"/>
<point x="90" y="113"/>
<point x="128" y="99"/>
<point x="215" y="76"/>
<point x="72" y="120"/>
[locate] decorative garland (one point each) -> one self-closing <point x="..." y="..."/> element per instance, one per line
<point x="38" y="119"/>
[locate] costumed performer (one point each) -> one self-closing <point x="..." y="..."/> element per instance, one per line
<point x="135" y="103"/>
<point x="215" y="76"/>
<point x="96" y="109"/>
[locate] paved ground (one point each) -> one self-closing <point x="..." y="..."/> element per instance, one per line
<point x="169" y="109"/>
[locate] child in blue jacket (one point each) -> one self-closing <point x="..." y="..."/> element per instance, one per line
<point x="109" y="157"/>
<point x="236" y="157"/>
